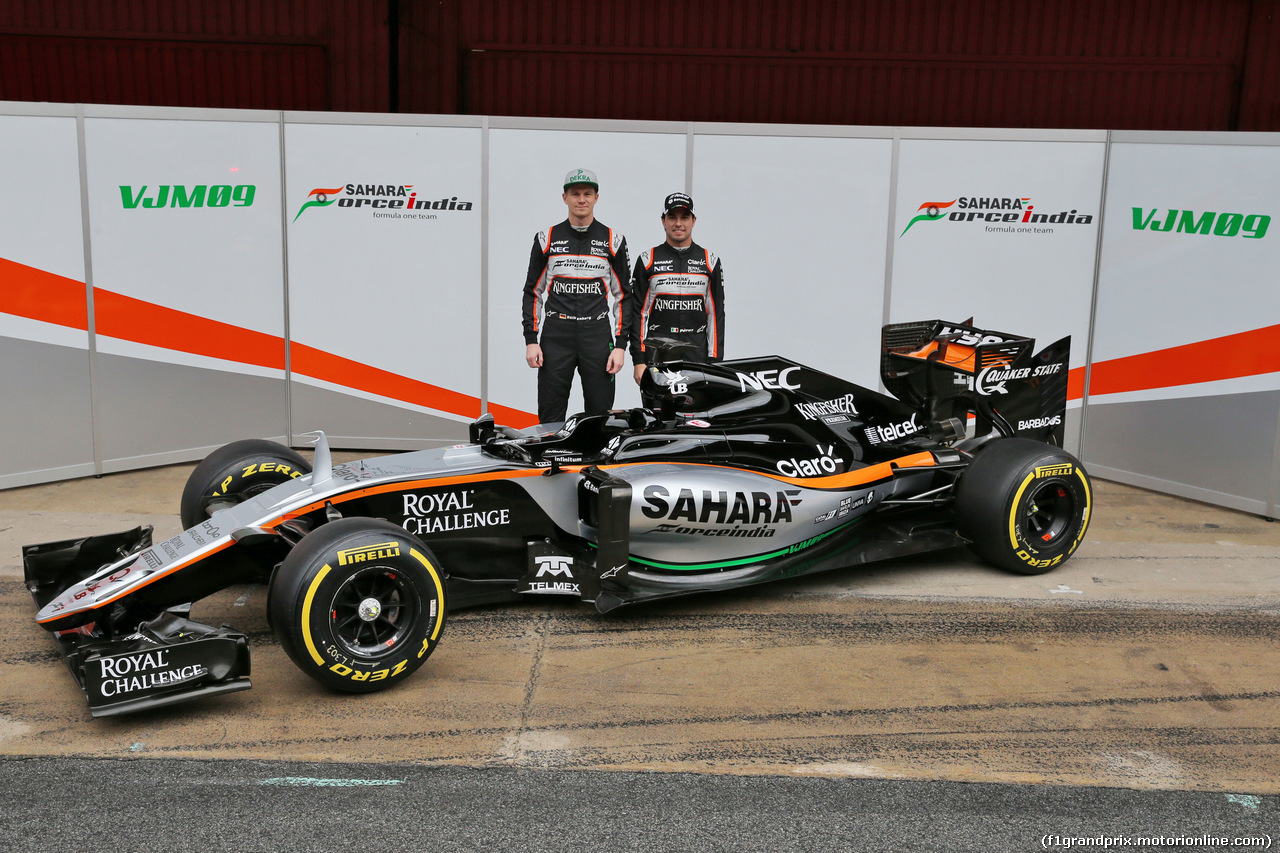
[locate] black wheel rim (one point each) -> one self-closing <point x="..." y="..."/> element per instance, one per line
<point x="373" y="611"/>
<point x="1048" y="513"/>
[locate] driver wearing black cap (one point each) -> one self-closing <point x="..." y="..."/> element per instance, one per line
<point x="679" y="290"/>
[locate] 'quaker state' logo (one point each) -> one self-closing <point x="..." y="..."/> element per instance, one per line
<point x="1004" y="214"/>
<point x="387" y="201"/>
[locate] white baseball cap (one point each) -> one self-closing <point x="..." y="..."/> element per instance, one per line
<point x="581" y="176"/>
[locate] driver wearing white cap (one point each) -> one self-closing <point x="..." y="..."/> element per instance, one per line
<point x="577" y="301"/>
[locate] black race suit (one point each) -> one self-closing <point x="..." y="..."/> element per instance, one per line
<point x="577" y="302"/>
<point x="679" y="294"/>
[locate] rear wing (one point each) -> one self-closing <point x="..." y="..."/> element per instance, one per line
<point x="954" y="370"/>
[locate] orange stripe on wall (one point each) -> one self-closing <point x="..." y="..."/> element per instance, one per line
<point x="1249" y="353"/>
<point x="511" y="417"/>
<point x="1075" y="383"/>
<point x="49" y="298"/>
<point x="328" y="367"/>
<point x="38" y="295"/>
<point x="129" y="319"/>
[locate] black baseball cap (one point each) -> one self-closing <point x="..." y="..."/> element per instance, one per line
<point x="675" y="201"/>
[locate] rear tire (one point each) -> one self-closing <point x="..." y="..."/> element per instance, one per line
<point x="235" y="473"/>
<point x="1024" y="505"/>
<point x="358" y="604"/>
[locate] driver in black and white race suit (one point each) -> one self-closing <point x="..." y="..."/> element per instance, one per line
<point x="679" y="289"/>
<point x="577" y="301"/>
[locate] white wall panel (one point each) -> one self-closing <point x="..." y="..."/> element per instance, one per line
<point x="1036" y="279"/>
<point x="46" y="419"/>
<point x="526" y="176"/>
<point x="800" y="225"/>
<point x="1188" y="321"/>
<point x="392" y="289"/>
<point x="187" y="255"/>
<point x="219" y="257"/>
<point x="40" y="219"/>
<point x="1159" y="289"/>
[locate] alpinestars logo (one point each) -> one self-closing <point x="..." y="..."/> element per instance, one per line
<point x="395" y="201"/>
<point x="1014" y="214"/>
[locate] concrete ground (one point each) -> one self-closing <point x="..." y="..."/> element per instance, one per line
<point x="1151" y="660"/>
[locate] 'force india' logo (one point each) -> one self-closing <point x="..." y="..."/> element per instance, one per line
<point x="380" y="197"/>
<point x="997" y="210"/>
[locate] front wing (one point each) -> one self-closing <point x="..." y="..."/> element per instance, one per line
<point x="168" y="659"/>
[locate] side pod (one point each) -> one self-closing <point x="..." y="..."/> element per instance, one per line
<point x="604" y="503"/>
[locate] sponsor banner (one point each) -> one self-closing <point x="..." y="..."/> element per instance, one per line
<point x="705" y="512"/>
<point x="993" y="380"/>
<point x="824" y="461"/>
<point x="384" y="264"/>
<point x="1039" y="423"/>
<point x="829" y="411"/>
<point x="847" y="505"/>
<point x="123" y="676"/>
<point x="776" y="379"/>
<point x="893" y="432"/>
<point x="551" y="572"/>
<point x="156" y="671"/>
<point x="454" y="511"/>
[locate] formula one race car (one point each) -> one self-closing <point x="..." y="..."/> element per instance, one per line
<point x="736" y="473"/>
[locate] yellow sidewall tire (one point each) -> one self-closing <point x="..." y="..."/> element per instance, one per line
<point x="359" y="604"/>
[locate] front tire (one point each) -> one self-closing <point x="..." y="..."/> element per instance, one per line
<point x="358" y="604"/>
<point x="235" y="473"/>
<point x="1024" y="505"/>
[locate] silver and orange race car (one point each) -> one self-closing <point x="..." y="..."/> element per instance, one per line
<point x="740" y="472"/>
